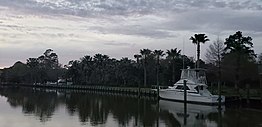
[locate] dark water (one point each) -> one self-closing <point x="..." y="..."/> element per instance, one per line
<point x="25" y="107"/>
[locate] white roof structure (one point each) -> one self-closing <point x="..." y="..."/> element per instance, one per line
<point x="196" y="75"/>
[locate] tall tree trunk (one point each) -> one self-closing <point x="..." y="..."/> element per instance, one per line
<point x="173" y="72"/>
<point x="219" y="82"/>
<point x="198" y="54"/>
<point x="157" y="77"/>
<point x="144" y="74"/>
<point x="260" y="78"/>
<point x="237" y="74"/>
<point x="31" y="76"/>
<point x="139" y="81"/>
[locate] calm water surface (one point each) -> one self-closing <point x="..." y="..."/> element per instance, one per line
<point x="25" y="107"/>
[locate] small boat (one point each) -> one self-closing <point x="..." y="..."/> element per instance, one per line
<point x="196" y="89"/>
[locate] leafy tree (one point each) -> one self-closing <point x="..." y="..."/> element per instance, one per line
<point x="18" y="73"/>
<point x="49" y="60"/>
<point x="33" y="64"/>
<point x="239" y="48"/>
<point x="259" y="60"/>
<point x="45" y="67"/>
<point x="197" y="39"/>
<point x="173" y="54"/>
<point x="99" y="69"/>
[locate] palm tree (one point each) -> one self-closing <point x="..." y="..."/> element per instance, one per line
<point x="137" y="56"/>
<point x="197" y="39"/>
<point x="124" y="68"/>
<point x="158" y="54"/>
<point x="100" y="62"/>
<point x="145" y="53"/>
<point x="86" y="63"/>
<point x="173" y="54"/>
<point x="74" y="70"/>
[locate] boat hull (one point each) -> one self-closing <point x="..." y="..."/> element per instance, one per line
<point x="194" y="98"/>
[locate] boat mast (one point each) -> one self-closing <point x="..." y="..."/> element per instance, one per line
<point x="183" y="52"/>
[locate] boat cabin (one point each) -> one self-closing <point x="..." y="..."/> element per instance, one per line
<point x="197" y="76"/>
<point x="196" y="81"/>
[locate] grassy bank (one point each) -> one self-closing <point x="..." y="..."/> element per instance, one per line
<point x="243" y="92"/>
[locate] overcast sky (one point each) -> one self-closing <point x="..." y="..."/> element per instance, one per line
<point x="119" y="28"/>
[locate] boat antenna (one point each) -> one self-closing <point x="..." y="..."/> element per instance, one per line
<point x="183" y="52"/>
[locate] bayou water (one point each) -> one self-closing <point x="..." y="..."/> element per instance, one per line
<point x="28" y="107"/>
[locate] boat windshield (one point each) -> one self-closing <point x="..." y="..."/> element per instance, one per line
<point x="197" y="76"/>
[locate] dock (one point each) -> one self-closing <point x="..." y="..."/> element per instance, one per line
<point x="146" y="92"/>
<point x="123" y="91"/>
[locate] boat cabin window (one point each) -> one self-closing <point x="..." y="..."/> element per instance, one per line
<point x="188" y="74"/>
<point x="182" y="87"/>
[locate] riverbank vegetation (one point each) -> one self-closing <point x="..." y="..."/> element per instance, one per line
<point x="233" y="62"/>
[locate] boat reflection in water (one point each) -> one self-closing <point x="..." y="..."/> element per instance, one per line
<point x="196" y="115"/>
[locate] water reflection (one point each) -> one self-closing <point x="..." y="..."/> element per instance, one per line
<point x="194" y="115"/>
<point x="93" y="109"/>
<point x="40" y="103"/>
<point x="62" y="107"/>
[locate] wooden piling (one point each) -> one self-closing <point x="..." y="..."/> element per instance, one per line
<point x="185" y="103"/>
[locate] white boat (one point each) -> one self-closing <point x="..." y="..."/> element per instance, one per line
<point x="196" y="89"/>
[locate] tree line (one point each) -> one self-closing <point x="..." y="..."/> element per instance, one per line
<point x="101" y="69"/>
<point x="36" y="70"/>
<point x="232" y="61"/>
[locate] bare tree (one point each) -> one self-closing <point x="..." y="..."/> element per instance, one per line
<point x="214" y="52"/>
<point x="214" y="55"/>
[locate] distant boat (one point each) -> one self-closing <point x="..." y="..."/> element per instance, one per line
<point x="196" y="88"/>
<point x="62" y="81"/>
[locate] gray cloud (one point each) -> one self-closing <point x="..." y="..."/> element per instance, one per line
<point x="188" y="14"/>
<point x="167" y="20"/>
<point x="123" y="7"/>
<point x="213" y="21"/>
<point x="182" y="14"/>
<point x="118" y="44"/>
<point x="143" y="31"/>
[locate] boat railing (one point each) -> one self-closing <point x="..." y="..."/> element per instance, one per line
<point x="195" y="75"/>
